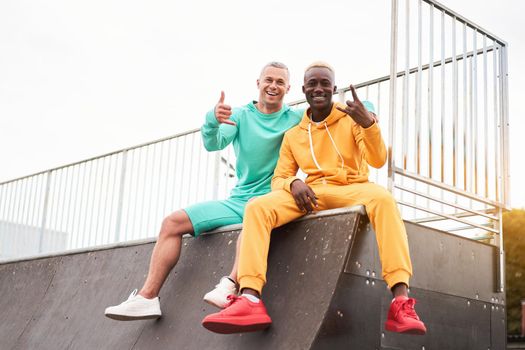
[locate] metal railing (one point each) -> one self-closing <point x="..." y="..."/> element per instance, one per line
<point x="448" y="133"/>
<point x="119" y="196"/>
<point x="444" y="117"/>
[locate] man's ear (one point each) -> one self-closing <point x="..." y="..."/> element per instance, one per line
<point x="288" y="89"/>
<point x="257" y="83"/>
<point x="335" y="89"/>
<point x="303" y="89"/>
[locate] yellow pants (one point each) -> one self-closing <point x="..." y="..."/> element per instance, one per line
<point x="278" y="208"/>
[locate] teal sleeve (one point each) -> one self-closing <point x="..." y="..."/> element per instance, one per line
<point x="216" y="136"/>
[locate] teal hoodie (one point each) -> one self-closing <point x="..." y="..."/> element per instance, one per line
<point x="256" y="141"/>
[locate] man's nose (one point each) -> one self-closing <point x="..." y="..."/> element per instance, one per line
<point x="318" y="88"/>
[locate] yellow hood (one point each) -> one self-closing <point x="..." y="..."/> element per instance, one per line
<point x="334" y="116"/>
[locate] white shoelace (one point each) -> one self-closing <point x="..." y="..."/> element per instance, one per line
<point x="333" y="143"/>
<point x="133" y="294"/>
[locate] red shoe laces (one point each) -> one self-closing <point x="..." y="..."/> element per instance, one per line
<point x="232" y="298"/>
<point x="408" y="309"/>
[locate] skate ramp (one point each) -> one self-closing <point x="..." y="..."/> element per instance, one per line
<point x="324" y="291"/>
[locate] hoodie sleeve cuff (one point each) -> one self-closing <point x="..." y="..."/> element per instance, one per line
<point x="288" y="183"/>
<point x="210" y="120"/>
<point x="372" y="129"/>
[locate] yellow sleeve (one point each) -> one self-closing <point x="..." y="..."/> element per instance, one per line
<point x="286" y="169"/>
<point x="371" y="144"/>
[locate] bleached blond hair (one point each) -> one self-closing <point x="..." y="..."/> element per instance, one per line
<point x="320" y="64"/>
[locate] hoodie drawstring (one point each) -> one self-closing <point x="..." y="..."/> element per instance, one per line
<point x="312" y="147"/>
<point x="333" y="143"/>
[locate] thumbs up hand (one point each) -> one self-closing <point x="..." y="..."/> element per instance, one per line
<point x="223" y="111"/>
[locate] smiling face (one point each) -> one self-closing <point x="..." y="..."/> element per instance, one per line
<point x="319" y="88"/>
<point x="273" y="84"/>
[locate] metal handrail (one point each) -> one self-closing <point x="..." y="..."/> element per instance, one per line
<point x="140" y="145"/>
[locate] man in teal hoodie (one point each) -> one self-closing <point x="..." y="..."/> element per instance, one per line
<point x="256" y="131"/>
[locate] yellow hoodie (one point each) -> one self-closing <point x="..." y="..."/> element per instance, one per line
<point x="335" y="151"/>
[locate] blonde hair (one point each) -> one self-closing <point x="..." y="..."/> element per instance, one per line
<point x="320" y="64"/>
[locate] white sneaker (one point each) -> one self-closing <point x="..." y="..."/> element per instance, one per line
<point x="219" y="296"/>
<point x="135" y="308"/>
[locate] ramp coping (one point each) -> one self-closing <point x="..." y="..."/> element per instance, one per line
<point x="360" y="209"/>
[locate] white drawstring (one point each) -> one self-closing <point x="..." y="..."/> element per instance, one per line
<point x="333" y="143"/>
<point x="335" y="146"/>
<point x="311" y="146"/>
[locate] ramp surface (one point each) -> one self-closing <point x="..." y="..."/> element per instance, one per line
<point x="321" y="293"/>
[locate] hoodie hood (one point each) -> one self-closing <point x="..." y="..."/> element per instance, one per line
<point x="334" y="116"/>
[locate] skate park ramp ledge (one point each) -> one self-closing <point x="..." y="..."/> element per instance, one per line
<point x="324" y="291"/>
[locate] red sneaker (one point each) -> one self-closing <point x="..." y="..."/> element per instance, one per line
<point x="240" y="315"/>
<point x="402" y="317"/>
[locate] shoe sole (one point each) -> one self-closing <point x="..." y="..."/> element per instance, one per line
<point x="221" y="325"/>
<point x="131" y="318"/>
<point x="230" y="328"/>
<point x="404" y="330"/>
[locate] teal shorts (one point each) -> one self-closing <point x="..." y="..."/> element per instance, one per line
<point x="207" y="216"/>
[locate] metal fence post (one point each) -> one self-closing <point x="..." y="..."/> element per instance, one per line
<point x="121" y="196"/>
<point x="392" y="102"/>
<point x="216" y="169"/>
<point x="505" y="124"/>
<point x="44" y="211"/>
<point x="501" y="255"/>
<point x="504" y="151"/>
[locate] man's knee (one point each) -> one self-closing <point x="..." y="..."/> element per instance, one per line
<point x="175" y="224"/>
<point x="382" y="197"/>
<point x="263" y="205"/>
<point x="256" y="204"/>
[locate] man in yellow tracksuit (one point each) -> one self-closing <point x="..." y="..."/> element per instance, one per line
<point x="333" y="145"/>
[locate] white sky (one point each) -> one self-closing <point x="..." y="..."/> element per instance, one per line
<point x="83" y="78"/>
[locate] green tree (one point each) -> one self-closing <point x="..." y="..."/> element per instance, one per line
<point x="514" y="242"/>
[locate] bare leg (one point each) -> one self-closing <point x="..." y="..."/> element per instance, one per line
<point x="251" y="292"/>
<point x="166" y="252"/>
<point x="233" y="273"/>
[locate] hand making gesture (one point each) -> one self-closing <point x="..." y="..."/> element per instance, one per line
<point x="357" y="111"/>
<point x="223" y="111"/>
